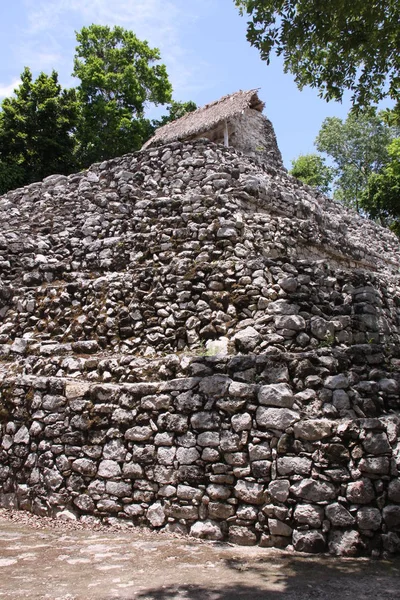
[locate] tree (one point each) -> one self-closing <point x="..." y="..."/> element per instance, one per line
<point x="333" y="46"/>
<point x="119" y="75"/>
<point x="11" y="176"/>
<point x="175" y="110"/>
<point x="358" y="148"/>
<point x="381" y="197"/>
<point x="36" y="130"/>
<point x="311" y="169"/>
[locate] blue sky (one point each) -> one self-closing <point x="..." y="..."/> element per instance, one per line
<point x="202" y="42"/>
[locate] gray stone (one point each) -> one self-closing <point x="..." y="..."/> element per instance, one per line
<point x="276" y="394"/>
<point x="391" y="516"/>
<point x="339" y="516"/>
<point x="22" y="436"/>
<point x="313" y="490"/>
<point x="218" y="492"/>
<point x="247" y="339"/>
<point x="345" y="543"/>
<point x="85" y="466"/>
<point x="336" y="382"/>
<point x="115" y="450"/>
<point x="360" y="492"/>
<point x="108" y="469"/>
<point x="394" y="490"/>
<point x="279" y="490"/>
<point x="242" y="536"/>
<point x="215" y="386"/>
<point x="308" y="514"/>
<point x="156" y="515"/>
<point x="378" y="465"/>
<point x="288" y="465"/>
<point x="276" y="527"/>
<point x="321" y="329"/>
<point x="19" y="346"/>
<point x="241" y="422"/>
<point x="376" y="443"/>
<point x="206" y="530"/>
<point x="292" y="322"/>
<point x="276" y="418"/>
<point x="208" y="438"/>
<point x="311" y="541"/>
<point x="166" y="455"/>
<point x="120" y="489"/>
<point x="205" y="421"/>
<point x="369" y="517"/>
<point x="139" y="434"/>
<point x="250" y="492"/>
<point x="312" y="430"/>
<point x="388" y="386"/>
<point x="187" y="456"/>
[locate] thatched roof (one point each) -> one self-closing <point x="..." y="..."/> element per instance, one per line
<point x="205" y="118"/>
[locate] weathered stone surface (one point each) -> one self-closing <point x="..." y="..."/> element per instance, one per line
<point x="247" y="339"/>
<point x="339" y="516"/>
<point x="206" y="530"/>
<point x="85" y="466"/>
<point x="316" y="429"/>
<point x="242" y="536"/>
<point x="124" y="299"/>
<point x="276" y="418"/>
<point x="345" y="543"/>
<point x="391" y="516"/>
<point x="360" y="492"/>
<point x="314" y="491"/>
<point x="278" y="394"/>
<point x="156" y="515"/>
<point x="108" y="469"/>
<point x="247" y="491"/>
<point x="139" y="434"/>
<point x="288" y="465"/>
<point x="309" y="514"/>
<point x="309" y="541"/>
<point x="369" y="517"/>
<point x="279" y="490"/>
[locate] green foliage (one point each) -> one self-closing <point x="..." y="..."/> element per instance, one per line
<point x="11" y="176"/>
<point x="36" y="130"/>
<point x="311" y="169"/>
<point x="358" y="148"/>
<point x="119" y="75"/>
<point x="381" y="197"/>
<point x="175" y="110"/>
<point x="333" y="46"/>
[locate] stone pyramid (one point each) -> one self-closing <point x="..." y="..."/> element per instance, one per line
<point x="193" y="341"/>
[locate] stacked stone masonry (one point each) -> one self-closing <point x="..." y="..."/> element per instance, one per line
<point x="193" y="341"/>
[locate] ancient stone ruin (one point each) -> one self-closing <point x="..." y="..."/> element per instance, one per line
<point x="194" y="341"/>
<point x="235" y="120"/>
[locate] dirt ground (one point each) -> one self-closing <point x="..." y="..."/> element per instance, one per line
<point x="40" y="560"/>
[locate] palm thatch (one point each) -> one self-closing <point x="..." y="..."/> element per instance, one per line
<point x="209" y="116"/>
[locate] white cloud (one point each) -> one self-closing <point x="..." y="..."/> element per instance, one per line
<point x="7" y="90"/>
<point x="160" y="22"/>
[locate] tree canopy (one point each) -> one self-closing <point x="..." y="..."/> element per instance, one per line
<point x="311" y="169"/>
<point x="45" y="129"/>
<point x="381" y="196"/>
<point x="333" y="46"/>
<point x="358" y="147"/>
<point x="119" y="74"/>
<point x="36" y="130"/>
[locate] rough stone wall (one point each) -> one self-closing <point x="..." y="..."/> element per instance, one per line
<point x="114" y="284"/>
<point x="254" y="135"/>
<point x="238" y="448"/>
